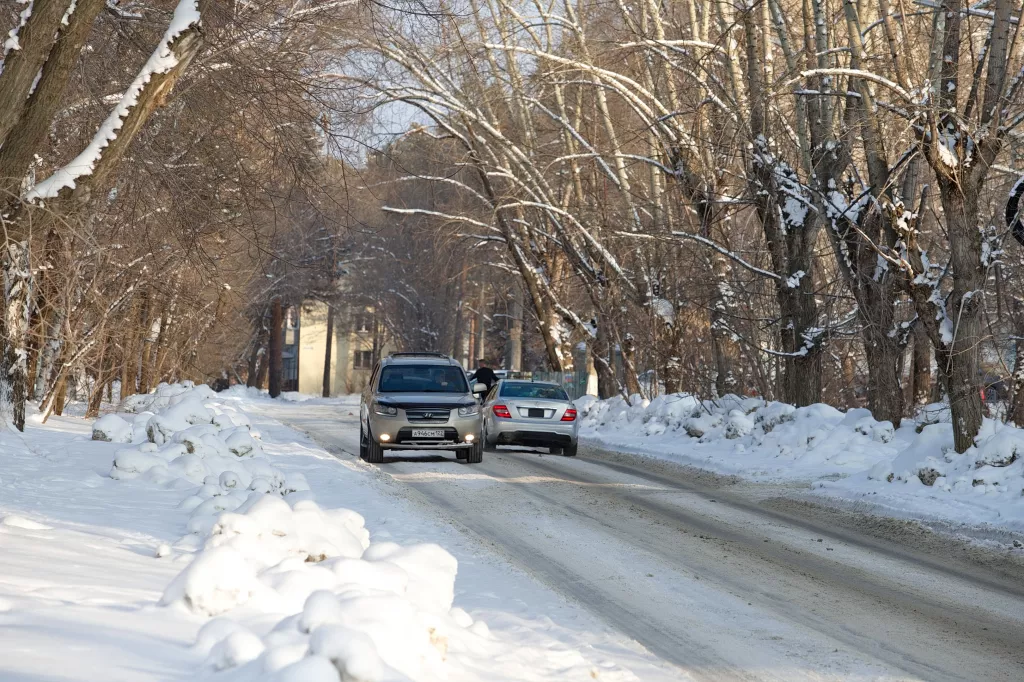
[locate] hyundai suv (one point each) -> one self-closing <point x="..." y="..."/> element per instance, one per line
<point x="419" y="401"/>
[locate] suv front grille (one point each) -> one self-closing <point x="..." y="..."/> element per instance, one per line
<point x="428" y="415"/>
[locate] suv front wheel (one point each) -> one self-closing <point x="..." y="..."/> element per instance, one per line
<point x="475" y="454"/>
<point x="374" y="451"/>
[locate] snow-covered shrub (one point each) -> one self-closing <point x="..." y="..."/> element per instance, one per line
<point x="112" y="429"/>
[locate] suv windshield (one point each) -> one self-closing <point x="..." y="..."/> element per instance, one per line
<point x="527" y="390"/>
<point x="422" y="379"/>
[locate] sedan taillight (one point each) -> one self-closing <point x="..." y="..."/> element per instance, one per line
<point x="502" y="412"/>
<point x="569" y="416"/>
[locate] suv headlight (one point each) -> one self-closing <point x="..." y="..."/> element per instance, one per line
<point x="386" y="410"/>
<point x="469" y="410"/>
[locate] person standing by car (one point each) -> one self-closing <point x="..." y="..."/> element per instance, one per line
<point x="484" y="374"/>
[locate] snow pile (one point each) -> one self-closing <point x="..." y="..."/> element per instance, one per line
<point x="193" y="440"/>
<point x="346" y="609"/>
<point x="741" y="435"/>
<point x="984" y="485"/>
<point x="914" y="470"/>
<point x="365" y="612"/>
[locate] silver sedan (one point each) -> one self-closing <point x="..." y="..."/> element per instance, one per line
<point x="531" y="414"/>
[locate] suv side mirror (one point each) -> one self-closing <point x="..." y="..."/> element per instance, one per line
<point x="479" y="388"/>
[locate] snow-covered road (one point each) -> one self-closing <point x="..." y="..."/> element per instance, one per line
<point x="709" y="576"/>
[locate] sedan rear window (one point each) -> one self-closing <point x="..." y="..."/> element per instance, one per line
<point x="527" y="390"/>
<point x="422" y="379"/>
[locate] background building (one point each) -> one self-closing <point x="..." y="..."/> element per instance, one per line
<point x="355" y="347"/>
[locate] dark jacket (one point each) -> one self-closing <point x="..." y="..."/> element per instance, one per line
<point x="484" y="375"/>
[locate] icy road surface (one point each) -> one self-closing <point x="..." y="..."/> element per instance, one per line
<point x="706" y="575"/>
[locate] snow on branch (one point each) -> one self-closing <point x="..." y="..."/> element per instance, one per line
<point x="857" y="73"/>
<point x="187" y="16"/>
<point x="437" y="214"/>
<point x="717" y="247"/>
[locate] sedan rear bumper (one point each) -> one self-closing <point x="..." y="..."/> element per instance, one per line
<point x="535" y="433"/>
<point x="534" y="438"/>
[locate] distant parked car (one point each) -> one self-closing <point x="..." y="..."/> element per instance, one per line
<point x="531" y="414"/>
<point x="419" y="401"/>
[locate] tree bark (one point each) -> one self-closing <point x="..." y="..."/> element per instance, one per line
<point x="959" y="361"/>
<point x="258" y="344"/>
<point x="276" y="346"/>
<point x="327" y="353"/>
<point x="34" y="121"/>
<point x="17" y="279"/>
<point x="514" y="346"/>
<point x="607" y="385"/>
<point x="146" y="360"/>
<point x="96" y="395"/>
<point x="481" y="324"/>
<point x="885" y="392"/>
<point x="921" y="367"/>
<point x="21" y="65"/>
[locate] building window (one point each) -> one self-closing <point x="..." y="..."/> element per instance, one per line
<point x="362" y="359"/>
<point x="364" y="322"/>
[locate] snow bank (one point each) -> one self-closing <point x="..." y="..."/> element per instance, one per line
<point x="345" y="608"/>
<point x="741" y="435"/>
<point x="912" y="470"/>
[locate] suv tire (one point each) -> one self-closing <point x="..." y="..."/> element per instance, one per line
<point x="570" y="450"/>
<point x="363" y="443"/>
<point x="374" y="451"/>
<point x="475" y="454"/>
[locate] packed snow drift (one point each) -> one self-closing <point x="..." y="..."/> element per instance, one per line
<point x="913" y="470"/>
<point x="342" y="607"/>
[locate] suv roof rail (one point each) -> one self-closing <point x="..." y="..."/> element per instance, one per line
<point x="419" y="355"/>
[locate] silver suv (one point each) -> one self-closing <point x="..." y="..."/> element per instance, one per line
<point x="419" y="401"/>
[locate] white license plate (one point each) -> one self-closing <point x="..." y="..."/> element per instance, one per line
<point x="428" y="433"/>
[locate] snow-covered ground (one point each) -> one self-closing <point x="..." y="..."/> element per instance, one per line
<point x="910" y="472"/>
<point x="201" y="544"/>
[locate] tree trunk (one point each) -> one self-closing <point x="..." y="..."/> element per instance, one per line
<point x="607" y="385"/>
<point x="276" y="347"/>
<point x="327" y="353"/>
<point x="61" y="396"/>
<point x="481" y="326"/>
<point x="22" y="65"/>
<point x="46" y="372"/>
<point x="922" y="367"/>
<point x="724" y="346"/>
<point x="36" y="325"/>
<point x="959" y="361"/>
<point x="17" y="280"/>
<point x="629" y="361"/>
<point x="30" y="131"/>
<point x="251" y="379"/>
<point x="96" y="395"/>
<point x="849" y="379"/>
<point x="801" y="371"/>
<point x="514" y="347"/>
<point x="885" y="392"/>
